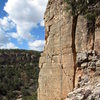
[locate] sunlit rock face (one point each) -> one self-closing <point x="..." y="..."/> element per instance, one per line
<point x="56" y="78"/>
<point x="55" y="81"/>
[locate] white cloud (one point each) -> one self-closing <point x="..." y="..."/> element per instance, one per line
<point x="3" y="37"/>
<point x="23" y="15"/>
<point x="6" y="24"/>
<point x="5" y="41"/>
<point x="21" y="36"/>
<point x="8" y="46"/>
<point x="11" y="46"/>
<point x="26" y="14"/>
<point x="37" y="45"/>
<point x="42" y="23"/>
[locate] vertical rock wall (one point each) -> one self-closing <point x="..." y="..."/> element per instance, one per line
<point x="97" y="35"/>
<point x="88" y="72"/>
<point x="55" y="81"/>
<point x="56" y="61"/>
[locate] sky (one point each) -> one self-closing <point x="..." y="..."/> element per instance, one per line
<point x="22" y="24"/>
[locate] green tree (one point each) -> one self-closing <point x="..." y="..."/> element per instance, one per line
<point x="91" y="14"/>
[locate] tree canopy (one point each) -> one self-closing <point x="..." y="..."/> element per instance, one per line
<point x="82" y="7"/>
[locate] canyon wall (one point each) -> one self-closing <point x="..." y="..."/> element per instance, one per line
<point x="56" y="78"/>
<point x="11" y="57"/>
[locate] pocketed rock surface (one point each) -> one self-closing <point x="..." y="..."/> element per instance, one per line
<point x="87" y="76"/>
<point x="90" y="91"/>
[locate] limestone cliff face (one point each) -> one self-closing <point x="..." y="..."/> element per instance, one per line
<point x="17" y="56"/>
<point x="56" y="78"/>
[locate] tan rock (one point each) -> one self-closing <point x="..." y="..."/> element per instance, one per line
<point x="56" y="81"/>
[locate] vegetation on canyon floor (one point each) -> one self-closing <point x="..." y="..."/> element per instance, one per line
<point x="19" y="74"/>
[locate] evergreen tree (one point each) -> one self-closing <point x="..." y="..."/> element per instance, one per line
<point x="91" y="14"/>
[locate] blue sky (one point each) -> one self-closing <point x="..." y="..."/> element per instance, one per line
<point x="21" y="24"/>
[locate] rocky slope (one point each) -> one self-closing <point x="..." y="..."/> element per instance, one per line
<point x="91" y="91"/>
<point x="57" y="77"/>
<point x="19" y="74"/>
<point x="87" y="77"/>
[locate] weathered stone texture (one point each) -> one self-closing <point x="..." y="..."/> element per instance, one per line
<point x="88" y="92"/>
<point x="97" y="36"/>
<point x="54" y="81"/>
<point x="56" y="61"/>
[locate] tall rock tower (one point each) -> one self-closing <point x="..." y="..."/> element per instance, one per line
<point x="56" y="78"/>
